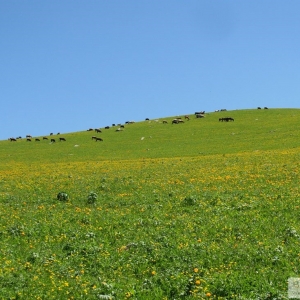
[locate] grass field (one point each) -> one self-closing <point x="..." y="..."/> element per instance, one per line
<point x="199" y="210"/>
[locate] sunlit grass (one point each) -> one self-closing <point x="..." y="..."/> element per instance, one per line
<point x="223" y="224"/>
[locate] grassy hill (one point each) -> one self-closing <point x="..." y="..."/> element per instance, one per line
<point x="204" y="209"/>
<point x="252" y="130"/>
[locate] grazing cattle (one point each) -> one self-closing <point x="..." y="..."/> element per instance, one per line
<point x="106" y="127"/>
<point x="113" y="125"/>
<point x="37" y="140"/>
<point x="98" y="130"/>
<point x="45" y="138"/>
<point x="28" y="140"/>
<point x="165" y="122"/>
<point x="186" y="117"/>
<point x="94" y="137"/>
<point x="58" y="133"/>
<point x="223" y="109"/>
<point x="265" y="107"/>
<point x="52" y="140"/>
<point x="29" y="136"/>
<point x="90" y="129"/>
<point x="51" y="133"/>
<point x="12" y="139"/>
<point x="259" y="108"/>
<point x="147" y="119"/>
<point x="200" y="112"/>
<point x="177" y="121"/>
<point x="19" y="137"/>
<point x="62" y="139"/>
<point x="98" y="139"/>
<point x="226" y="119"/>
<point x="199" y="116"/>
<point x="122" y="126"/>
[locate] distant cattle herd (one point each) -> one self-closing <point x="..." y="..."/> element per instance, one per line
<point x="177" y="120"/>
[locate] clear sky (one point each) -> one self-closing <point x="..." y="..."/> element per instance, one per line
<point x="70" y="65"/>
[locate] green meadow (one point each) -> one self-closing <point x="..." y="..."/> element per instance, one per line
<point x="203" y="209"/>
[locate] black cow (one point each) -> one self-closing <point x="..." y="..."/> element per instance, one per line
<point x="259" y="108"/>
<point x="227" y="119"/>
<point x="98" y="130"/>
<point x="98" y="139"/>
<point x="28" y="140"/>
<point x="37" y="140"/>
<point x="62" y="139"/>
<point x="265" y="107"/>
<point x="12" y="139"/>
<point x="52" y="140"/>
<point x="45" y="138"/>
<point x="29" y="136"/>
<point x="106" y="127"/>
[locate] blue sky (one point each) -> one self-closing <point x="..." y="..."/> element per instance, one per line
<point x="70" y="65"/>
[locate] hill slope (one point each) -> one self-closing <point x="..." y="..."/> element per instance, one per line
<point x="200" y="210"/>
<point x="252" y="130"/>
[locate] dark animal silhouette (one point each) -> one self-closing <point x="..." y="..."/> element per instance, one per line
<point x="29" y="136"/>
<point x="265" y="107"/>
<point x="98" y="139"/>
<point x="45" y="138"/>
<point x="259" y="108"/>
<point x="12" y="139"/>
<point x="37" y="140"/>
<point x="106" y="127"/>
<point x="52" y="140"/>
<point x="98" y="130"/>
<point x="62" y="139"/>
<point x="227" y="119"/>
<point x="28" y="140"/>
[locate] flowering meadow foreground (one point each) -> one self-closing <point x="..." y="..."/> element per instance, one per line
<point x="200" y="227"/>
